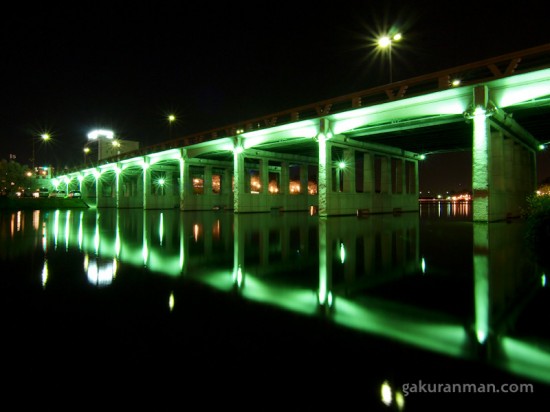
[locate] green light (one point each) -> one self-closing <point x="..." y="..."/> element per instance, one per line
<point x="542" y="146"/>
<point x="386" y="393"/>
<point x="171" y="301"/>
<point x="161" y="182"/>
<point x="342" y="253"/>
<point x="342" y="165"/>
<point x="543" y="280"/>
<point x="422" y="157"/>
<point x="423" y="265"/>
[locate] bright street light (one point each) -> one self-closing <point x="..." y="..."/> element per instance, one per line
<point x="45" y="137"/>
<point x="386" y="41"/>
<point x="171" y="119"/>
<point x="98" y="135"/>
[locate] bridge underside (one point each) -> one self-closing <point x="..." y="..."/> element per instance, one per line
<point x="363" y="160"/>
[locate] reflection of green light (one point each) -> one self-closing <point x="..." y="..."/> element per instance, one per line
<point x="342" y="253"/>
<point x="161" y="228"/>
<point x="481" y="281"/>
<point x="239" y="277"/>
<point x="414" y="327"/>
<point x="290" y="298"/>
<point x="526" y="359"/>
<point x="56" y="228"/>
<point x="386" y="393"/>
<point x="423" y="265"/>
<point x="67" y="229"/>
<point x="399" y="400"/>
<point x="45" y="273"/>
<point x="80" y="230"/>
<point x="145" y="253"/>
<point x="171" y="301"/>
<point x="543" y="280"/>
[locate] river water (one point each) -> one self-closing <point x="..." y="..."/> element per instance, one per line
<point x="285" y="309"/>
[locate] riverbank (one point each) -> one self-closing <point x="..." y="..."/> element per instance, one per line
<point x="7" y="203"/>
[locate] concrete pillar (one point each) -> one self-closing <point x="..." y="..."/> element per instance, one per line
<point x="480" y="157"/>
<point x="264" y="176"/>
<point x="325" y="173"/>
<point x="146" y="182"/>
<point x="349" y="171"/>
<point x="284" y="184"/>
<point x="238" y="176"/>
<point x="303" y="179"/>
<point x="183" y="180"/>
<point x="368" y="173"/>
<point x="385" y="175"/>
<point x="207" y="180"/>
<point x="226" y="181"/>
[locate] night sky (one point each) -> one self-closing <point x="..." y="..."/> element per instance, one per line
<point x="69" y="69"/>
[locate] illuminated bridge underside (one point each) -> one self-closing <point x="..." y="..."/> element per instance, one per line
<point x="360" y="160"/>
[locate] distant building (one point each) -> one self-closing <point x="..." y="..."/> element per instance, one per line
<point x="109" y="149"/>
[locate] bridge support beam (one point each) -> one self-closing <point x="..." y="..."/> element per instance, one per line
<point x="503" y="162"/>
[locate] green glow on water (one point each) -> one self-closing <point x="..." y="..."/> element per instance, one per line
<point x="171" y="301"/>
<point x="443" y="337"/>
<point x="526" y="359"/>
<point x="342" y="252"/>
<point x="288" y="297"/>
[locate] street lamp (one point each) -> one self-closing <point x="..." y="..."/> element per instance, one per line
<point x="171" y="119"/>
<point x="86" y="151"/>
<point x="98" y="135"/>
<point x="386" y="41"/>
<point x="45" y="137"/>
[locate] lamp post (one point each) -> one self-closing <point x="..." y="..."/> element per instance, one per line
<point x="171" y="119"/>
<point x="86" y="151"/>
<point x="44" y="137"/>
<point x="386" y="41"/>
<point x="98" y="135"/>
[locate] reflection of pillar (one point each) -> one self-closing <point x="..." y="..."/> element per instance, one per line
<point x="145" y="242"/>
<point x="325" y="265"/>
<point x="264" y="246"/>
<point x="238" y="253"/>
<point x="481" y="281"/>
<point x="184" y="253"/>
<point x="349" y="248"/>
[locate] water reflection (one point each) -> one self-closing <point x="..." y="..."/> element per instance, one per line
<point x="435" y="281"/>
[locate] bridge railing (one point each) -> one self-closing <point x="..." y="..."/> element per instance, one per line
<point x="523" y="61"/>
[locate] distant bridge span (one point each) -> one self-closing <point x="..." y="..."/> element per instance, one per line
<point x="357" y="153"/>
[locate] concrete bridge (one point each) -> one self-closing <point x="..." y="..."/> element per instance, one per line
<point x="355" y="154"/>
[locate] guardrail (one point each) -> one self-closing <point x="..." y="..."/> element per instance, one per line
<point x="536" y="58"/>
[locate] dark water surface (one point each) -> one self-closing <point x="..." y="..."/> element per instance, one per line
<point x="197" y="310"/>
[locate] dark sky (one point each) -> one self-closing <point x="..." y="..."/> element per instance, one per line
<point x="71" y="68"/>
